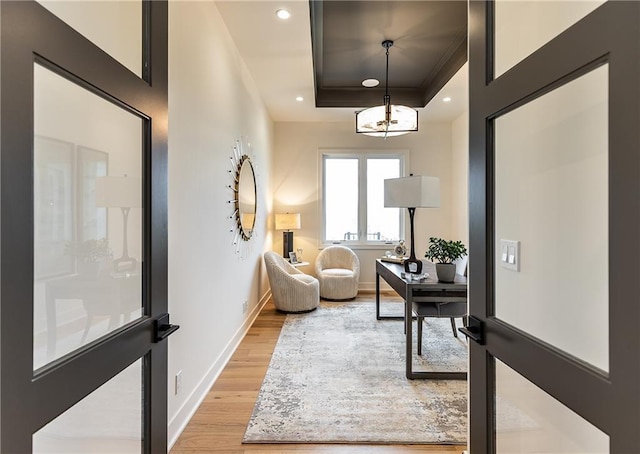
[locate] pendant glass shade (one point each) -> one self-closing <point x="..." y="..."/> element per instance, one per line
<point x="372" y="122"/>
<point x="386" y="120"/>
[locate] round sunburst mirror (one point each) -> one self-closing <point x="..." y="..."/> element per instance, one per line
<point x="246" y="198"/>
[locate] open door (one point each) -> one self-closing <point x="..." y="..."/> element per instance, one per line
<point x="83" y="158"/>
<point x="554" y="226"/>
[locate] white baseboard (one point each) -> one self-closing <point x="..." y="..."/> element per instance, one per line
<point x="370" y="287"/>
<point x="189" y="408"/>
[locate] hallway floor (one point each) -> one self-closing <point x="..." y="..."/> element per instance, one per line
<point x="219" y="424"/>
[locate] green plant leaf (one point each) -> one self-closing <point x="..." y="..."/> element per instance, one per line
<point x="443" y="251"/>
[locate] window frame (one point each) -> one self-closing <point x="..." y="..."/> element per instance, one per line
<point x="362" y="155"/>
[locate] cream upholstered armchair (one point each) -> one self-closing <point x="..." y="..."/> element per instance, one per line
<point x="338" y="270"/>
<point x="292" y="290"/>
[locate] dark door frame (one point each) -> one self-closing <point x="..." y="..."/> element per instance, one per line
<point x="611" y="402"/>
<point x="29" y="400"/>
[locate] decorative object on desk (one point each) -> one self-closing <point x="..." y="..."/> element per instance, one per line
<point x="125" y="193"/>
<point x="287" y="222"/>
<point x="340" y="360"/>
<point x="293" y="258"/>
<point x="412" y="192"/>
<point x="89" y="254"/>
<point x="393" y="259"/>
<point x="299" y="251"/>
<point x="400" y="249"/>
<point x="414" y="277"/>
<point x="386" y="120"/>
<point x="445" y="253"/>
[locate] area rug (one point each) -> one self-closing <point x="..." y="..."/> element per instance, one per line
<point x="337" y="375"/>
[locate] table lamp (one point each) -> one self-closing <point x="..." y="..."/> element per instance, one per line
<point x="287" y="222"/>
<point x="124" y="193"/>
<point x="412" y="192"/>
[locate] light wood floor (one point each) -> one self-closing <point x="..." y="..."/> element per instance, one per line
<point x="219" y="424"/>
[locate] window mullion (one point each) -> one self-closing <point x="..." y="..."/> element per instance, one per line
<point x="362" y="199"/>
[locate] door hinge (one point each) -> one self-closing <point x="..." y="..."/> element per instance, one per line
<point x="474" y="328"/>
<point x="163" y="328"/>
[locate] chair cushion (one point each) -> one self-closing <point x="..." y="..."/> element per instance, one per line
<point x="452" y="309"/>
<point x="337" y="272"/>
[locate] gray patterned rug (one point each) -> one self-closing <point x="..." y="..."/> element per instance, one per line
<point x="337" y="376"/>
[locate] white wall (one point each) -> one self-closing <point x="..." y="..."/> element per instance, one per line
<point x="460" y="178"/>
<point x="296" y="181"/>
<point x="212" y="102"/>
<point x="522" y="27"/>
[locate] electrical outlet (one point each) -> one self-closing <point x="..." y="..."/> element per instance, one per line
<point x="178" y="382"/>
<point x="245" y="306"/>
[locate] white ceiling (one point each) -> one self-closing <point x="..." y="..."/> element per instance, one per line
<point x="278" y="55"/>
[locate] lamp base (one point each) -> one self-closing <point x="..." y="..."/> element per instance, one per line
<point x="413" y="265"/>
<point x="287" y="244"/>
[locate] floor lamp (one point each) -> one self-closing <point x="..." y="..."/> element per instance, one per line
<point x="287" y="222"/>
<point x="124" y="193"/>
<point x="411" y="193"/>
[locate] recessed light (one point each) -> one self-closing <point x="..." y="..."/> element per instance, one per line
<point x="370" y="83"/>
<point x="447" y="99"/>
<point x="299" y="98"/>
<point x="283" y="14"/>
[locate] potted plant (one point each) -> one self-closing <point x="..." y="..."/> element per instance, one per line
<point x="444" y="253"/>
<point x="89" y="254"/>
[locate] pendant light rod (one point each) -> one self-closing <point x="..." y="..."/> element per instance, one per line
<point x="377" y="121"/>
<point x="387" y="44"/>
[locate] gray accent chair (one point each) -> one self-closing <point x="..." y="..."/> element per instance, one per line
<point x="292" y="290"/>
<point x="338" y="270"/>
<point x="451" y="309"/>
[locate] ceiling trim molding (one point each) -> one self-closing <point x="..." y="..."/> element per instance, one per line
<point x="449" y="67"/>
<point x="453" y="55"/>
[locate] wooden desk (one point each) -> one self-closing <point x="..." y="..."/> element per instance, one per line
<point x="426" y="297"/>
<point x="101" y="295"/>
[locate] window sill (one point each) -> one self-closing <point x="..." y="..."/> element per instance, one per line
<point x="362" y="246"/>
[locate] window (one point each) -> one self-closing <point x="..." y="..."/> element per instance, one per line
<point x="353" y="197"/>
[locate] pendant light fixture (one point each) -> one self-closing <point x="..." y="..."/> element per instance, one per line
<point x="387" y="120"/>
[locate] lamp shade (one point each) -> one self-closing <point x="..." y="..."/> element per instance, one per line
<point x="118" y="192"/>
<point x="288" y="221"/>
<point x="412" y="192"/>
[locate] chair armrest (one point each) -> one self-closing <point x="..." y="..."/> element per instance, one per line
<point x="305" y="279"/>
<point x="289" y="268"/>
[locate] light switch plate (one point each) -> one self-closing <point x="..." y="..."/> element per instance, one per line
<point x="509" y="254"/>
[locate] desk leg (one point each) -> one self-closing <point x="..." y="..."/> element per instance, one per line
<point x="377" y="296"/>
<point x="408" y="327"/>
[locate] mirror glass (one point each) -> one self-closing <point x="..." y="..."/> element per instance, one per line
<point x="246" y="198"/>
